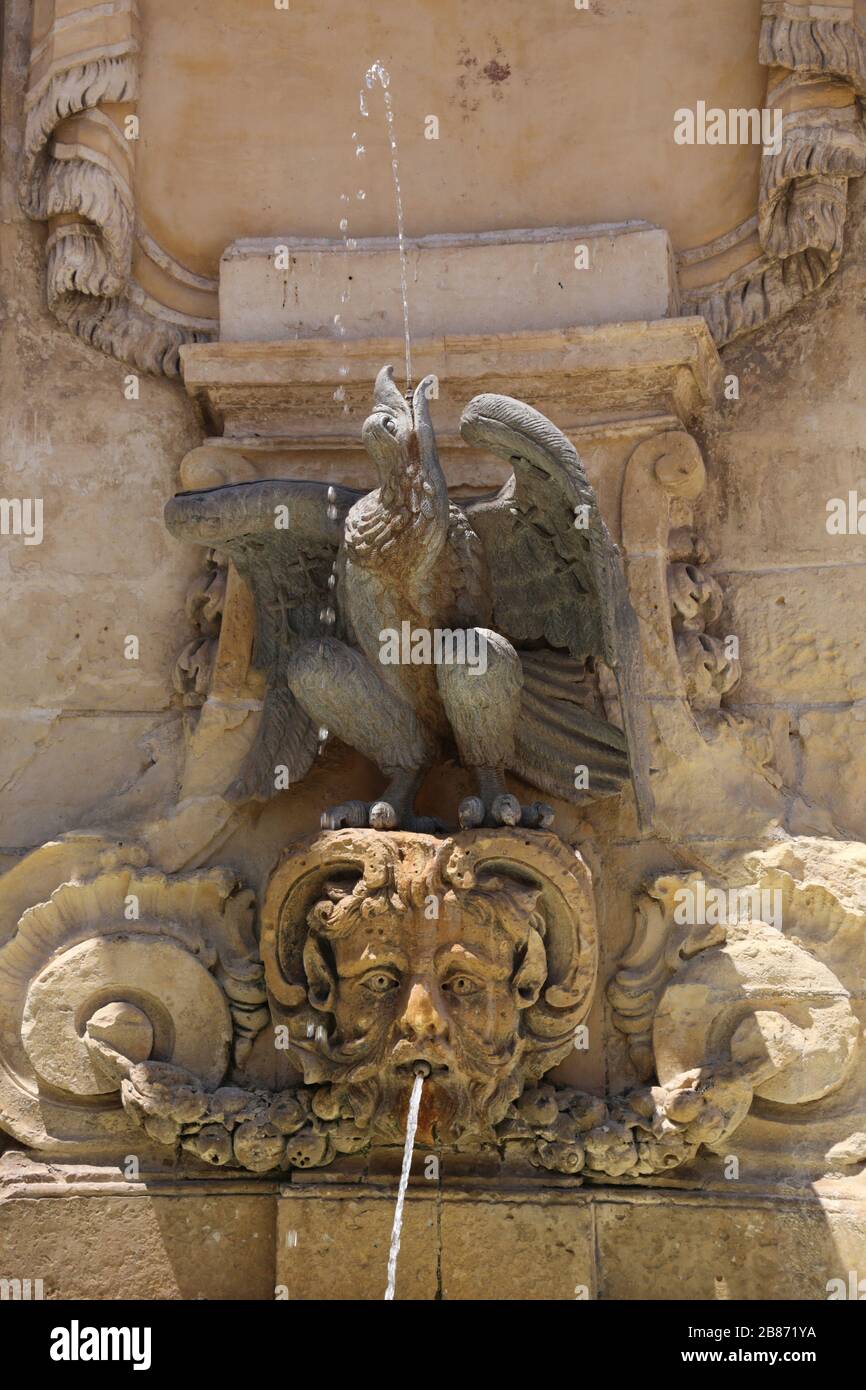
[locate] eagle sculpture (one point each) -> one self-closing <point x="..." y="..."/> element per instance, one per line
<point x="526" y="582"/>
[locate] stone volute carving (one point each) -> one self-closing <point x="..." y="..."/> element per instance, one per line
<point x="121" y="960"/>
<point x="409" y="625"/>
<point x="688" y="650"/>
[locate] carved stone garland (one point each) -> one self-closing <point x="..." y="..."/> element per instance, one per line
<point x="78" y="176"/>
<point x="817" y="80"/>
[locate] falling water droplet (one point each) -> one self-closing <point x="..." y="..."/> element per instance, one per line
<point x="340" y="393"/>
<point x="344" y="224"/>
<point x="360" y="195"/>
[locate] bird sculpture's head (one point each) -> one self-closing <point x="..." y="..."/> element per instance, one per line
<point x="398" y="435"/>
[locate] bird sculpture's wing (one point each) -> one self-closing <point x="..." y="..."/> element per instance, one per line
<point x="557" y="575"/>
<point x="283" y="537"/>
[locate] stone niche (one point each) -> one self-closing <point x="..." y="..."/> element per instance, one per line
<point x="583" y="877"/>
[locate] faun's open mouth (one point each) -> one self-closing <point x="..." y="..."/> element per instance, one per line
<point x="422" y="1066"/>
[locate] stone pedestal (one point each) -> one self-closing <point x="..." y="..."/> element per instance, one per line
<point x="88" y="1234"/>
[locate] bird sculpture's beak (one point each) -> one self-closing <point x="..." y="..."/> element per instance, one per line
<point x="423" y="423"/>
<point x="386" y="395"/>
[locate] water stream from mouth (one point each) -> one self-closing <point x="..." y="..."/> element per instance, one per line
<point x="397" y="1228"/>
<point x="379" y="74"/>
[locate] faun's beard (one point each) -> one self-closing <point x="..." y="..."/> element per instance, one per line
<point x="457" y="1105"/>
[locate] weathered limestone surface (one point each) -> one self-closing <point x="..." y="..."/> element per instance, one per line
<point x="183" y="1246"/>
<point x="106" y="568"/>
<point x="481" y="284"/>
<point x="335" y="1246"/>
<point x="744" y="1042"/>
<point x="788" y="446"/>
<point x="685" y="1248"/>
<point x="330" y="1242"/>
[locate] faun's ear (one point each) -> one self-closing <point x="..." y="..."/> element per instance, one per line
<point x="321" y="985"/>
<point x="532" y="973"/>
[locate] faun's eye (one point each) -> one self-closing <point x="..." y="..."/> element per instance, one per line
<point x="389" y="425"/>
<point x="380" y="982"/>
<point x="461" y="985"/>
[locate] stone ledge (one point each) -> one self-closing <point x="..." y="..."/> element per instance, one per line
<point x="240" y="1238"/>
<point x="489" y="282"/>
<point x="616" y="371"/>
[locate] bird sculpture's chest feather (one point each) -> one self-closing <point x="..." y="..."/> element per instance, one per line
<point x="384" y="589"/>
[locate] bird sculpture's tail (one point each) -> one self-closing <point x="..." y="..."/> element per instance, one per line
<point x="560" y="747"/>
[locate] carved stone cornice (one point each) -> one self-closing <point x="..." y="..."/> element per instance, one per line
<point x="608" y="372"/>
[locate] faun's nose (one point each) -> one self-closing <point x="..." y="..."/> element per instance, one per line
<point x="421" y="1021"/>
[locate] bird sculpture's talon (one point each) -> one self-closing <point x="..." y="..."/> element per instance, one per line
<point x="470" y="812"/>
<point x="383" y="816"/>
<point x="506" y="810"/>
<point x="538" y="816"/>
<point x="349" y="815"/>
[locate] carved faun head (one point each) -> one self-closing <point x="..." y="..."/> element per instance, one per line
<point x="472" y="959"/>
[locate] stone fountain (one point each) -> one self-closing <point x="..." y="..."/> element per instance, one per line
<point x="509" y="769"/>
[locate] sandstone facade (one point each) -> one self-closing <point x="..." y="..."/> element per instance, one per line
<point x="642" y="831"/>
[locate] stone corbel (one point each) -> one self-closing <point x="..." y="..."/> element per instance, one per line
<point x="689" y="667"/>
